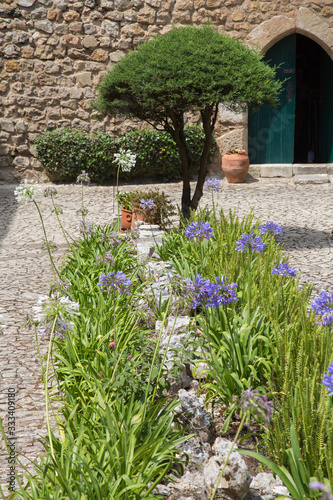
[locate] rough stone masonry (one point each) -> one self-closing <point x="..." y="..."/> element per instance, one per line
<point x="54" y="53"/>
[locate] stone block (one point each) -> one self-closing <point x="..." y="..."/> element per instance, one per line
<point x="273" y="29"/>
<point x="7" y="125"/>
<point x="311" y="179"/>
<point x="146" y="15"/>
<point x="330" y="168"/>
<point x="27" y="52"/>
<point x="71" y="15"/>
<point x="278" y="170"/>
<point x="89" y="42"/>
<point x="238" y="15"/>
<point x="309" y="169"/>
<point x="53" y="14"/>
<point x="100" y="55"/>
<point x="75" y="27"/>
<point x="110" y="28"/>
<point x="21" y="162"/>
<point x="84" y="79"/>
<point x="89" y="29"/>
<point x="12" y="66"/>
<point x="255" y="171"/>
<point x="45" y="26"/>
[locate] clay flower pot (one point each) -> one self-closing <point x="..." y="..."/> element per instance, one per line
<point x="126" y="219"/>
<point x="138" y="214"/>
<point x="235" y="166"/>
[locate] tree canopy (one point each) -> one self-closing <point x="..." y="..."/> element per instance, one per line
<point x="187" y="69"/>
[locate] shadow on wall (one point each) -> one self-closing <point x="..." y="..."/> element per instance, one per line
<point x="303" y="238"/>
<point x="8" y="206"/>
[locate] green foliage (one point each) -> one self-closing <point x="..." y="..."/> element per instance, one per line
<point x="157" y="154"/>
<point x="295" y="473"/>
<point x="117" y="439"/>
<point x="239" y="354"/>
<point x="286" y="353"/>
<point x="65" y="153"/>
<point x="160" y="214"/>
<point x="186" y="68"/>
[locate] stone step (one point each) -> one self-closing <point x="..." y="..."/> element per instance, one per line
<point x="311" y="179"/>
<point x="312" y="173"/>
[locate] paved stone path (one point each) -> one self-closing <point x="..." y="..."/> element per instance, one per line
<point x="306" y="213"/>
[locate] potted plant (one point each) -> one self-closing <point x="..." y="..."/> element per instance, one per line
<point x="150" y="206"/>
<point x="235" y="164"/>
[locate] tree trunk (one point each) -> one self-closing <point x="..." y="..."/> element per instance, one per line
<point x="208" y="116"/>
<point x="208" y="126"/>
<point x="185" y="160"/>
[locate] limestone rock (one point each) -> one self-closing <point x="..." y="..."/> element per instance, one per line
<point x="193" y="414"/>
<point x="267" y="487"/>
<point x="235" y="483"/>
<point x="26" y="3"/>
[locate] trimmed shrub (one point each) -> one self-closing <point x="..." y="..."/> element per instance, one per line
<point x="65" y="153"/>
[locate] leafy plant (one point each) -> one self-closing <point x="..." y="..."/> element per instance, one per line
<point x="161" y="211"/>
<point x="151" y="84"/>
<point x="64" y="153"/>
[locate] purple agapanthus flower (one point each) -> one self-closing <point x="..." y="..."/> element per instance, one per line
<point x="212" y="186"/>
<point x="200" y="230"/>
<point x="208" y="294"/>
<point x="271" y="228"/>
<point x="227" y="293"/>
<point x="83" y="178"/>
<point x="323" y="306"/>
<point x="283" y="269"/>
<point x="115" y="281"/>
<point x="86" y="228"/>
<point x="257" y="405"/>
<point x="147" y="204"/>
<point x="113" y="239"/>
<point x="328" y="379"/>
<point x="203" y="291"/>
<point x="317" y="485"/>
<point x="324" y="303"/>
<point x="250" y="242"/>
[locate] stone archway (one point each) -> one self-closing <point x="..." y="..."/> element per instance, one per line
<point x="304" y="22"/>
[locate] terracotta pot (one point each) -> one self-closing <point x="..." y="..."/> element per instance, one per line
<point x="138" y="214"/>
<point x="126" y="218"/>
<point x="235" y="167"/>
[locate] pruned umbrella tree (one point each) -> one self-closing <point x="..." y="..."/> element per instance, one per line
<point x="187" y="69"/>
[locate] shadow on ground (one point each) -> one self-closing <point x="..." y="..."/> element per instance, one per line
<point x="303" y="238"/>
<point x="8" y="206"/>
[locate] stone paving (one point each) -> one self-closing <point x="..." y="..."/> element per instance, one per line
<point x="305" y="211"/>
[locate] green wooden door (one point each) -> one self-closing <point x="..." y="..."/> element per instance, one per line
<point x="271" y="130"/>
<point x="325" y="153"/>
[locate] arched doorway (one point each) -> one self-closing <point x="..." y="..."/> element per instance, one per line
<point x="300" y="128"/>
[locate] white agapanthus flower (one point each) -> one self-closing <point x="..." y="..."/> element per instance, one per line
<point x="62" y="309"/>
<point x="125" y="159"/>
<point x="27" y="190"/>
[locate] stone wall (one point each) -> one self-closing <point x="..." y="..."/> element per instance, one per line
<point x="54" y="53"/>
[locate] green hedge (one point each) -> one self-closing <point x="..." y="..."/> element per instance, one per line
<point x="65" y="153"/>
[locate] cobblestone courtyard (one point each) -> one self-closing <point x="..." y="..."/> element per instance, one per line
<point x="305" y="211"/>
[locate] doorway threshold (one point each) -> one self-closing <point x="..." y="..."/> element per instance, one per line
<point x="288" y="170"/>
